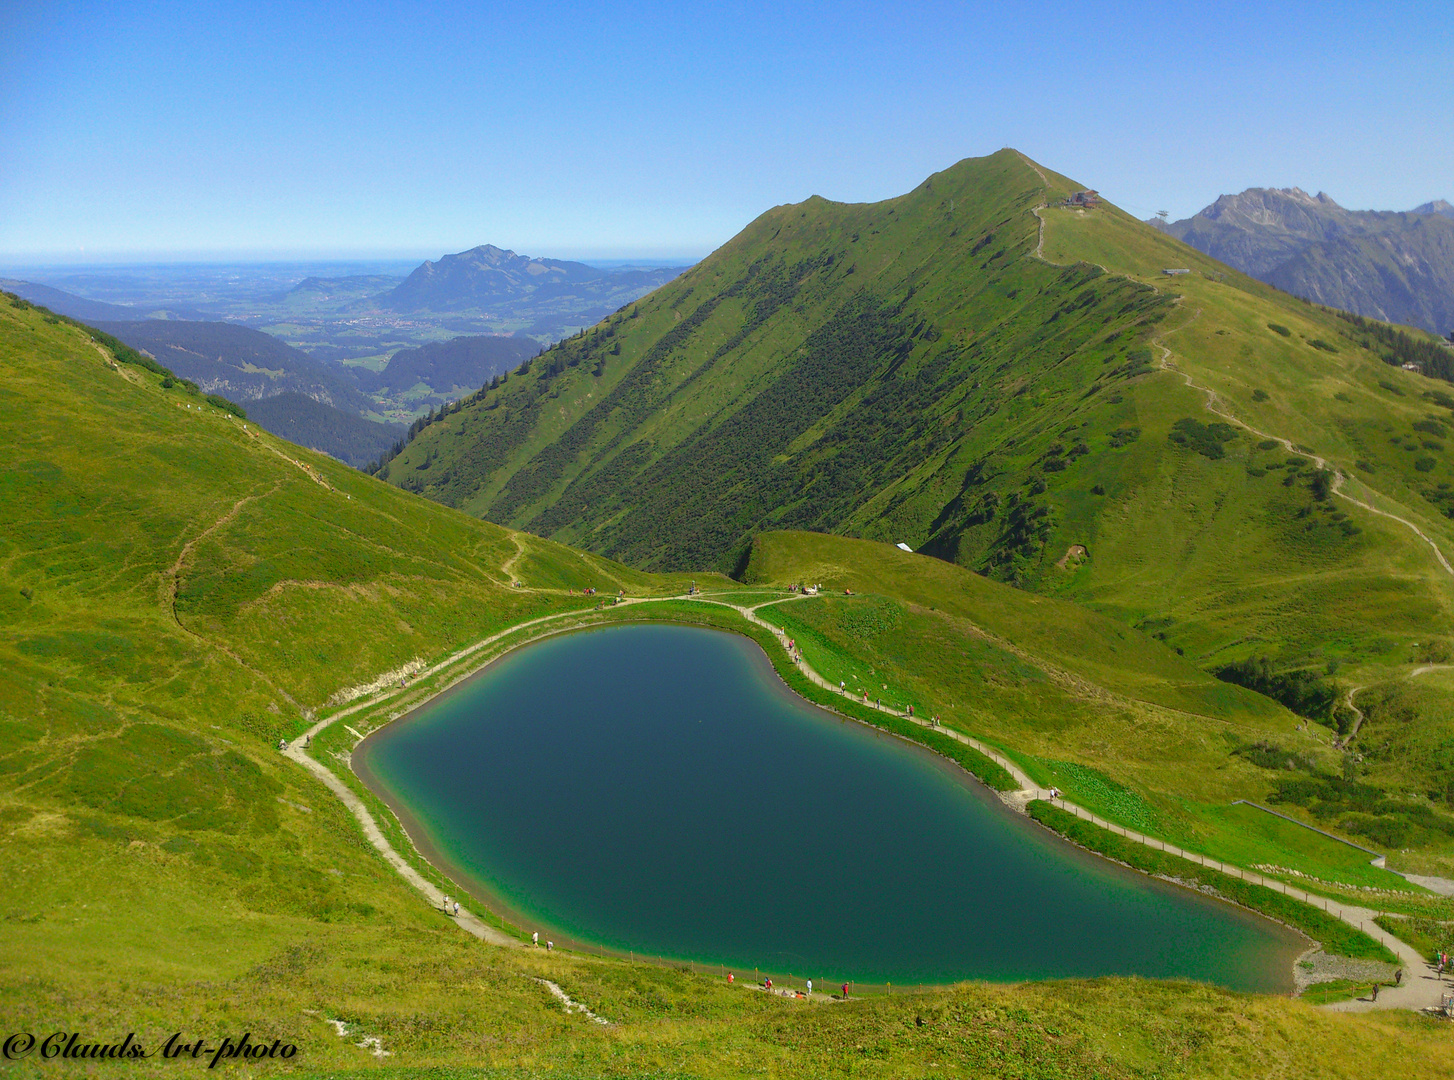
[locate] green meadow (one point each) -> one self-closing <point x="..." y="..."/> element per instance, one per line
<point x="180" y="590"/>
<point x="1014" y="387"/>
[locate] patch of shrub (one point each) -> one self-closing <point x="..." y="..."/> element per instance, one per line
<point x="1138" y="362"/>
<point x="1259" y="395"/>
<point x="217" y="401"/>
<point x="1319" y="343"/>
<point x="1267" y="755"/>
<point x="1278" y="328"/>
<point x="1425" y="464"/>
<point x="1205" y="439"/>
<point x="1124" y="437"/>
<point x="1268" y="444"/>
<point x="1301" y="691"/>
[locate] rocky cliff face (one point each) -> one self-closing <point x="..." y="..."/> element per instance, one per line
<point x="1394" y="266"/>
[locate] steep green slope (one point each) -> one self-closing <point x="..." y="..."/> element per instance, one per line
<point x="177" y="588"/>
<point x="1257" y="551"/>
<point x="819" y="357"/>
<point x="1110" y="715"/>
<point x="935" y="370"/>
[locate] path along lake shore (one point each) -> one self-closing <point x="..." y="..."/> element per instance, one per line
<point x="1421" y="989"/>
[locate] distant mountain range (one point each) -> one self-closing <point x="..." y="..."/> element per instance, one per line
<point x="488" y="276"/>
<point x="76" y="307"/>
<point x="240" y="363"/>
<point x="546" y="297"/>
<point x="1383" y="264"/>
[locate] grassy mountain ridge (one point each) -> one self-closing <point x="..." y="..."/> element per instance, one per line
<point x="178" y="587"/>
<point x="910" y="371"/>
<point x="817" y="340"/>
<point x="737" y="403"/>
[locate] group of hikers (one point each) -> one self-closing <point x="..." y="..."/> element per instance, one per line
<point x="1398" y="978"/>
<point x="766" y="985"/>
<point x="796" y="656"/>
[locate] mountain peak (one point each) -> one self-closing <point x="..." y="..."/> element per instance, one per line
<point x="1438" y="206"/>
<point x="1265" y="204"/>
<point x="487" y="278"/>
<point x="488" y="253"/>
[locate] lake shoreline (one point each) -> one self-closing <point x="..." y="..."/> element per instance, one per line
<point x="474" y="882"/>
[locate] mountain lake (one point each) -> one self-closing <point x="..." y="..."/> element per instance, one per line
<point x="657" y="790"/>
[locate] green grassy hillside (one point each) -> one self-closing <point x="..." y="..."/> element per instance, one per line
<point x="179" y="590"/>
<point x="1110" y="715"/>
<point x="799" y="373"/>
<point x="1023" y="392"/>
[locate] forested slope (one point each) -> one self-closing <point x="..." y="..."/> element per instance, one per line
<point x="352" y="439"/>
<point x="178" y="588"/>
<point x="823" y="354"/>
<point x="926" y="370"/>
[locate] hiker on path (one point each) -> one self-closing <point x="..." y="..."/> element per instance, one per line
<point x="845" y="991"/>
<point x="550" y="946"/>
<point x="535" y="939"/>
<point x="446" y="904"/>
<point x="810" y="987"/>
<point x="1375" y="992"/>
<point x="456" y="909"/>
<point x="1398" y="977"/>
<point x="731" y="978"/>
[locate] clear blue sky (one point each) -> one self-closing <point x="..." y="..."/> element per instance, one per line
<point x="162" y="130"/>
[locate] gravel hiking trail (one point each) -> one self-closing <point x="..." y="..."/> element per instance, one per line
<point x="1421" y="989"/>
<point x="1213" y="402"/>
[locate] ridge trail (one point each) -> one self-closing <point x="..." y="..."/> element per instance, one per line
<point x="1213" y="401"/>
<point x="1319" y="461"/>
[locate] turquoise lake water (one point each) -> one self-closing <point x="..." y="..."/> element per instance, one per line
<point x="657" y="789"/>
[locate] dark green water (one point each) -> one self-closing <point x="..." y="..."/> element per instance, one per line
<point x="657" y="789"/>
